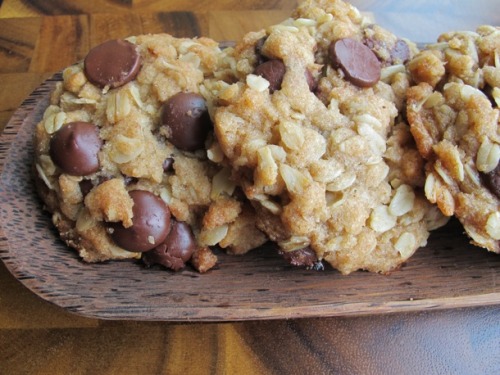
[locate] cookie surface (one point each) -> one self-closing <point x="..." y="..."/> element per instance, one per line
<point x="454" y="118"/>
<point x="121" y="156"/>
<point x="316" y="141"/>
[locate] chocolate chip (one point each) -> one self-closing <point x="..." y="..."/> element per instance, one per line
<point x="273" y="71"/>
<point x="357" y="61"/>
<point x="185" y="115"/>
<point x="168" y="164"/>
<point x="176" y="250"/>
<point x="112" y="63"/>
<point x="492" y="181"/>
<point x="75" y="147"/>
<point x="400" y="53"/>
<point x="301" y="257"/>
<point x="150" y="223"/>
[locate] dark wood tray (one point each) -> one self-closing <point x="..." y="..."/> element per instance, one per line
<point x="447" y="273"/>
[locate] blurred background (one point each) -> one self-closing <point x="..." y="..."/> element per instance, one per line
<point x="424" y="20"/>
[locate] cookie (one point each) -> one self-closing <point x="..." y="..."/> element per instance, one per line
<point x="123" y="156"/>
<point x="314" y="134"/>
<point x="454" y="117"/>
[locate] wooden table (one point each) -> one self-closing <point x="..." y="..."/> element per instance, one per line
<point x="38" y="38"/>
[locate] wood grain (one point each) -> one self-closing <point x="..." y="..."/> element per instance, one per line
<point x="16" y="8"/>
<point x="61" y="42"/>
<point x="49" y="44"/>
<point x="17" y="42"/>
<point x="21" y="309"/>
<point x="447" y="273"/>
<point x="467" y="344"/>
<point x="38" y="337"/>
<point x="15" y="88"/>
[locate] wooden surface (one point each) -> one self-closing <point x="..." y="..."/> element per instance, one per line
<point x="38" y="38"/>
<point x="448" y="272"/>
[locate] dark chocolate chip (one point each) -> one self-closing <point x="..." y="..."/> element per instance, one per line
<point x="176" y="250"/>
<point x="150" y="223"/>
<point x="400" y="53"/>
<point x="168" y="164"/>
<point x="492" y="181"/>
<point x="301" y="257"/>
<point x="185" y="115"/>
<point x="112" y="63"/>
<point x="273" y="71"/>
<point x="358" y="62"/>
<point x="75" y="147"/>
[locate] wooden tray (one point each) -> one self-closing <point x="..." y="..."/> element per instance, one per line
<point x="447" y="273"/>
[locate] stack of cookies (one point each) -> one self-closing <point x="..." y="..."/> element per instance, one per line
<point x="327" y="135"/>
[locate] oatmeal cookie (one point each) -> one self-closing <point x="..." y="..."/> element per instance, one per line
<point x="313" y="134"/>
<point x="121" y="156"/>
<point x="454" y="118"/>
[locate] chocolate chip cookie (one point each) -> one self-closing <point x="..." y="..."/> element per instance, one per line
<point x="454" y="118"/>
<point x="124" y="156"/>
<point x="313" y="132"/>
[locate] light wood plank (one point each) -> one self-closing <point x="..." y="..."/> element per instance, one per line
<point x="15" y="88"/>
<point x="49" y="44"/>
<point x="16" y="8"/>
<point x="18" y="39"/>
<point x="62" y="41"/>
<point x="454" y="342"/>
<point x="180" y="24"/>
<point x="22" y="309"/>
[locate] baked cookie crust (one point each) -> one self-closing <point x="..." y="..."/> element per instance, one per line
<point x="320" y="148"/>
<point x="125" y="103"/>
<point x="454" y="118"/>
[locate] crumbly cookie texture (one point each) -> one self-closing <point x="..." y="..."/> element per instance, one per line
<point x="454" y="118"/>
<point x="316" y="141"/>
<point x="111" y="161"/>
